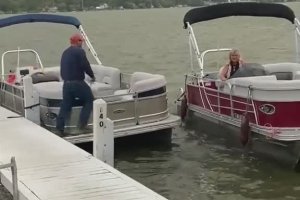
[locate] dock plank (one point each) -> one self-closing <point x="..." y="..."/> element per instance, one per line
<point x="54" y="169"/>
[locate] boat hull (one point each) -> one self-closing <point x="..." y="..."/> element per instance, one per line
<point x="124" y="113"/>
<point x="280" y="124"/>
<point x="132" y="115"/>
<point x="284" y="153"/>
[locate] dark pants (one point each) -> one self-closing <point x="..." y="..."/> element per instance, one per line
<point x="72" y="90"/>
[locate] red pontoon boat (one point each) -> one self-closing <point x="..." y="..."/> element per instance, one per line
<point x="260" y="100"/>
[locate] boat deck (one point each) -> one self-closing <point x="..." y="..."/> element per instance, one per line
<point x="168" y="123"/>
<point x="54" y="169"/>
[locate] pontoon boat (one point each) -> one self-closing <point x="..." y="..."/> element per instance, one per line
<point x="35" y="91"/>
<point x="262" y="100"/>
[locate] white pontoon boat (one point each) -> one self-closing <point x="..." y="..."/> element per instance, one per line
<point x="260" y="99"/>
<point x="137" y="103"/>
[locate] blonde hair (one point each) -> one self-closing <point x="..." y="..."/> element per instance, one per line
<point x="234" y="51"/>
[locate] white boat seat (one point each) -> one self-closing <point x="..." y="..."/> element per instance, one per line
<point x="107" y="75"/>
<point x="107" y="81"/>
<point x="122" y="95"/>
<point x="53" y="90"/>
<point x="253" y="80"/>
<point x="283" y="71"/>
<point x="53" y="71"/>
<point x="244" y="82"/>
<point x="101" y="89"/>
<point x="297" y="75"/>
<point x="49" y="90"/>
<point x="40" y="77"/>
<point x="142" y="82"/>
<point x="264" y="88"/>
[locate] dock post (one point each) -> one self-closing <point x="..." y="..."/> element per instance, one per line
<point x="103" y="133"/>
<point x="31" y="101"/>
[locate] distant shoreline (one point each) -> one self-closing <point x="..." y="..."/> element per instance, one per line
<point x="90" y="10"/>
<point x="106" y="7"/>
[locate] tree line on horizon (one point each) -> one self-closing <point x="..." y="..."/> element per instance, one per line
<point x="14" y="6"/>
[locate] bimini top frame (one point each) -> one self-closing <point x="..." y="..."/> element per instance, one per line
<point x="235" y="9"/>
<point x="50" y="18"/>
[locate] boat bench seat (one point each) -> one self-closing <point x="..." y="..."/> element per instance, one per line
<point x="103" y="74"/>
<point x="244" y="82"/>
<point x="107" y="81"/>
<point x="53" y="89"/>
<point x="141" y="82"/>
<point x="107" y="75"/>
<point x="284" y="71"/>
<point x="253" y="80"/>
<point x="264" y="87"/>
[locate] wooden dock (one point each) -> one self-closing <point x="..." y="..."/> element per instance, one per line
<point x="51" y="168"/>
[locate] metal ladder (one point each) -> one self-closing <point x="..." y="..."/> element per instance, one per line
<point x="13" y="167"/>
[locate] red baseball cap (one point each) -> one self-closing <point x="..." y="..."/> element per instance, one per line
<point x="75" y="38"/>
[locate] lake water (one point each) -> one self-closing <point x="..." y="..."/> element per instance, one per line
<point x="195" y="166"/>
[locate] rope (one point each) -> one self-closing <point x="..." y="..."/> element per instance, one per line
<point x="274" y="131"/>
<point x="32" y="106"/>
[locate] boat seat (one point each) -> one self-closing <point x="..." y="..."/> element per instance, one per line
<point x="264" y="87"/>
<point x="297" y="75"/>
<point x="53" y="71"/>
<point x="283" y="71"/>
<point x="49" y="90"/>
<point x="244" y="82"/>
<point x="107" y="81"/>
<point x="143" y="84"/>
<point x="53" y="90"/>
<point x="103" y="74"/>
<point x="40" y="77"/>
<point x="101" y="89"/>
<point x="253" y="80"/>
<point x="107" y="75"/>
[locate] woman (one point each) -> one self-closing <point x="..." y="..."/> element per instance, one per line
<point x="235" y="62"/>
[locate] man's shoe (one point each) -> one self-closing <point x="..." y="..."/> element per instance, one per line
<point x="85" y="129"/>
<point x="60" y="133"/>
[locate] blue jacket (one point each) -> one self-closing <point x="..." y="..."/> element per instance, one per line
<point x="74" y="64"/>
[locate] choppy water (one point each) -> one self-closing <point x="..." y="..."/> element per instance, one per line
<point x="196" y="165"/>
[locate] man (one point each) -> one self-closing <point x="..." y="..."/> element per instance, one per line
<point x="74" y="64"/>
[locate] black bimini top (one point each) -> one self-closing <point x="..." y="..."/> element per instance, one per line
<point x="238" y="9"/>
<point x="27" y="18"/>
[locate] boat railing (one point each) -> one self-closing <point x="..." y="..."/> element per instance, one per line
<point x="297" y="35"/>
<point x="204" y="53"/>
<point x="18" y="51"/>
<point x="209" y="92"/>
<point x="12" y="97"/>
<point x="13" y="166"/>
<point x="249" y="100"/>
